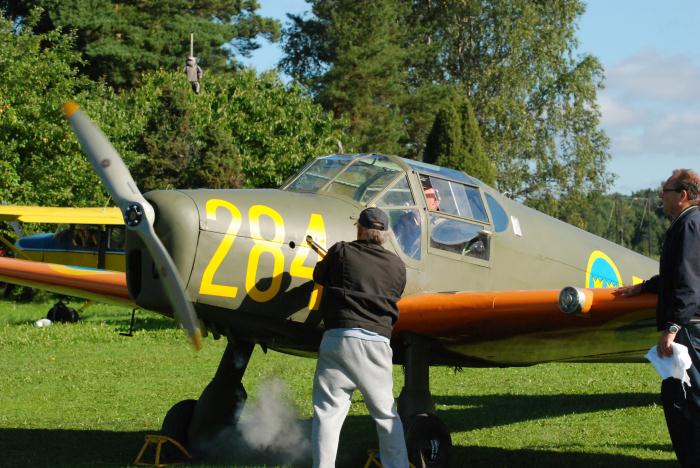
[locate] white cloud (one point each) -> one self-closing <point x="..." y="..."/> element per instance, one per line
<point x="651" y="106"/>
<point x="616" y="113"/>
<point x="651" y="75"/>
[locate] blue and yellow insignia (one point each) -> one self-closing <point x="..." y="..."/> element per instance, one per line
<point x="602" y="272"/>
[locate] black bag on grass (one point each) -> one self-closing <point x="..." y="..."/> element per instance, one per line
<point x="62" y="313"/>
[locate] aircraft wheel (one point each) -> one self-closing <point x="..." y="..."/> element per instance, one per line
<point x="177" y="421"/>
<point x="428" y="441"/>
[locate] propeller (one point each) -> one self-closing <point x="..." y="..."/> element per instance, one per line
<point x="139" y="215"/>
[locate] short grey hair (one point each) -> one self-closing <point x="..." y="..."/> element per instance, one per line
<point x="374" y="236"/>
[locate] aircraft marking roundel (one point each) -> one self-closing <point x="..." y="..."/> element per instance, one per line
<point x="602" y="272"/>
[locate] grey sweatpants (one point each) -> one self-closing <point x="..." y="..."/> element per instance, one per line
<point x="344" y="364"/>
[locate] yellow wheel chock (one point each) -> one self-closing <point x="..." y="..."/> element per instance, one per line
<point x="373" y="460"/>
<point x="159" y="441"/>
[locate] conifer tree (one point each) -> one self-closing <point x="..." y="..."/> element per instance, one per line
<point x="533" y="93"/>
<point x="364" y="67"/>
<point x="455" y="141"/>
<point x="120" y="40"/>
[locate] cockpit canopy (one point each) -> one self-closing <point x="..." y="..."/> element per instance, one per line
<point x="359" y="177"/>
<point x="362" y="176"/>
<point x="457" y="217"/>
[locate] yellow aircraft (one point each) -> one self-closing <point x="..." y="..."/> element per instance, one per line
<point x="486" y="277"/>
<point x="93" y="238"/>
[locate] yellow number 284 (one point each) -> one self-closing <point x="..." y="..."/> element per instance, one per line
<point x="261" y="246"/>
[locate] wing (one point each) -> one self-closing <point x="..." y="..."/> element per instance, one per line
<point x="88" y="283"/>
<point x="56" y="215"/>
<point x="528" y="327"/>
<point x="449" y="314"/>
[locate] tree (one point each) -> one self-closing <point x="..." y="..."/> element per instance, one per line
<point x="634" y="221"/>
<point x="242" y="130"/>
<point x="180" y="148"/>
<point x="122" y="39"/>
<point x="40" y="160"/>
<point x="455" y="141"/>
<point x="351" y="57"/>
<point x="534" y="98"/>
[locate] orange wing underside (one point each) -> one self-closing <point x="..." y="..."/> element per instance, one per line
<point x="509" y="313"/>
<point x="96" y="285"/>
<point x="498" y="314"/>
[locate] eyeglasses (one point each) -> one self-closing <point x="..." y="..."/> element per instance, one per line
<point x="664" y="190"/>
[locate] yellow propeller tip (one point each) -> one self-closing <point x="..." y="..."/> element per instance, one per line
<point x="196" y="339"/>
<point x="70" y="107"/>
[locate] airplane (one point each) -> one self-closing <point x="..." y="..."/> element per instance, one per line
<point x="94" y="237"/>
<point x="490" y="282"/>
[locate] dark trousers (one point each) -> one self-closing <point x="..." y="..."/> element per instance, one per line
<point x="682" y="405"/>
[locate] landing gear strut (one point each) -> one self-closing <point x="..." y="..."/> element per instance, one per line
<point x="196" y="424"/>
<point x="427" y="438"/>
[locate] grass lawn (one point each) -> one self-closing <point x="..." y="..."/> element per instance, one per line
<point x="82" y="395"/>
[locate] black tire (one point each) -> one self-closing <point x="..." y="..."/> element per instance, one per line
<point x="177" y="421"/>
<point x="428" y="441"/>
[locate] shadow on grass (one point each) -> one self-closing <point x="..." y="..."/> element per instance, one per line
<point x="86" y="448"/>
<point x="484" y="411"/>
<point x="64" y="448"/>
<point x="491" y="457"/>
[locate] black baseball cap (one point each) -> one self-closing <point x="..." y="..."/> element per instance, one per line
<point x="373" y="218"/>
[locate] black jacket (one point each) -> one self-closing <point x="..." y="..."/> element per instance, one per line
<point x="362" y="282"/>
<point x="678" y="281"/>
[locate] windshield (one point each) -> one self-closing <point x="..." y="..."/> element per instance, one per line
<point x="318" y="173"/>
<point x="359" y="178"/>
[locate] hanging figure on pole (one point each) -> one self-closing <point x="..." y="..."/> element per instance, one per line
<point x="194" y="73"/>
<point x="192" y="70"/>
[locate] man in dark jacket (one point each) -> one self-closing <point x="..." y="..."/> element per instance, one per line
<point x="678" y="309"/>
<point x="362" y="283"/>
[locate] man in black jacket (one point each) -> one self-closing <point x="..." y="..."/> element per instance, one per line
<point x="678" y="309"/>
<point x="362" y="283"/>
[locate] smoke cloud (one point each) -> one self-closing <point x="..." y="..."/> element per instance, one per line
<point x="269" y="423"/>
<point x="268" y="432"/>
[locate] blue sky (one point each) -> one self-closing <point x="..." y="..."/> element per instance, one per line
<point x="651" y="103"/>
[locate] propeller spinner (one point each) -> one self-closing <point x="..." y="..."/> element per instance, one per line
<point x="139" y="215"/>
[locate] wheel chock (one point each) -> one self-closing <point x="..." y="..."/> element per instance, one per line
<point x="159" y="441"/>
<point x="374" y="461"/>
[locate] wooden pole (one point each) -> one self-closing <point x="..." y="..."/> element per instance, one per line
<point x="191" y="44"/>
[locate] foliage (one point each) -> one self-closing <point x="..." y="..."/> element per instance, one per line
<point x="455" y="141"/>
<point x="242" y="130"/>
<point x="182" y="145"/>
<point x="635" y="221"/>
<point x="40" y="161"/>
<point x="533" y="98"/>
<point x="121" y="40"/>
<point x="351" y="57"/>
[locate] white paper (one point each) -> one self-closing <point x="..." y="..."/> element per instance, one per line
<point x="674" y="366"/>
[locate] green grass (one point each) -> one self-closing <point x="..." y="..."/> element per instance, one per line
<point x="82" y="395"/>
